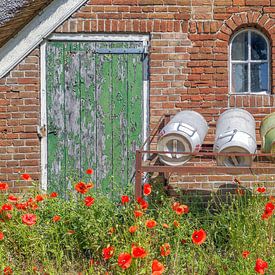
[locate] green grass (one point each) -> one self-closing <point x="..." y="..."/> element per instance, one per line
<point x="50" y="247"/>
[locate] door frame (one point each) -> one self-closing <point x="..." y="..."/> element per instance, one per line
<point x="43" y="93"/>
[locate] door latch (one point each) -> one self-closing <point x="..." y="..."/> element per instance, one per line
<point x="41" y="131"/>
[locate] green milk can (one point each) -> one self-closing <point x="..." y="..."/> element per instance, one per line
<point x="267" y="132"/>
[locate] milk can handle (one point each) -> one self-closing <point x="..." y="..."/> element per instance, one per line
<point x="228" y="134"/>
<point x="183" y="125"/>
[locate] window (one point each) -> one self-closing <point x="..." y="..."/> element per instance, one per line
<point x="249" y="62"/>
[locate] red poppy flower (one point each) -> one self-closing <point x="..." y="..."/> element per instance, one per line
<point x="124" y="260"/>
<point x="4" y="186"/>
<point x="53" y="195"/>
<point x="182" y="209"/>
<point x="89" y="171"/>
<point x="165" y="250"/>
<point x="157" y="267"/>
<point x="138" y="213"/>
<point x="90" y="185"/>
<point x="21" y="206"/>
<point x="1" y="236"/>
<point x="12" y="198"/>
<point x="7" y="270"/>
<point x="133" y="229"/>
<point x="175" y="206"/>
<point x="186" y="208"/>
<point x="260" y="266"/>
<point x="199" y="237"/>
<point x="108" y="252"/>
<point x="26" y="177"/>
<point x="31" y="204"/>
<point x="125" y="199"/>
<point x="81" y="187"/>
<point x="29" y="219"/>
<point x="8" y="216"/>
<point x="147" y="189"/>
<point x="89" y="201"/>
<point x="165" y="225"/>
<point x="138" y="252"/>
<point x="176" y="223"/>
<point x="261" y="189"/>
<point x="150" y="223"/>
<point x="56" y="218"/>
<point x="266" y="215"/>
<point x="7" y="207"/>
<point x="269" y="207"/>
<point x="143" y="204"/>
<point x="245" y="253"/>
<point x="39" y="198"/>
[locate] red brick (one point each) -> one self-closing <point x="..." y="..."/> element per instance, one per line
<point x="257" y="2"/>
<point x="100" y="2"/>
<point x="231" y="24"/>
<point x="223" y="2"/>
<point x="238" y="2"/>
<point x="263" y="19"/>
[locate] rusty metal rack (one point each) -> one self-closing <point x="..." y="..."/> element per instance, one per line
<point x="201" y="163"/>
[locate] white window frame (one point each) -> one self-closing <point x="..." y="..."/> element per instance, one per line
<point x="43" y="93"/>
<point x="249" y="62"/>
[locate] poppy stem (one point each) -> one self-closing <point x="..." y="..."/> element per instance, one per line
<point x="176" y="254"/>
<point x="193" y="262"/>
<point x="270" y="225"/>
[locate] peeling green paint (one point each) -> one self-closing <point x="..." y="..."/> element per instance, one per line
<point x="94" y="112"/>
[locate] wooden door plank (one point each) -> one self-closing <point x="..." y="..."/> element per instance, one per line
<point x="88" y="109"/>
<point x="104" y="120"/>
<point x="135" y="109"/>
<point x="120" y="119"/>
<point x="72" y="113"/>
<point x="55" y="116"/>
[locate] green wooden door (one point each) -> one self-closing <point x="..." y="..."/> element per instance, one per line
<point x="94" y="112"/>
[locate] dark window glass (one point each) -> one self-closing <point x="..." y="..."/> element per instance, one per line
<point x="259" y="77"/>
<point x="258" y="47"/>
<point x="240" y="78"/>
<point x="240" y="47"/>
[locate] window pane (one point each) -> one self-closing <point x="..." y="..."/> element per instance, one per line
<point x="259" y="77"/>
<point x="239" y="78"/>
<point x="258" y="47"/>
<point x="240" y="47"/>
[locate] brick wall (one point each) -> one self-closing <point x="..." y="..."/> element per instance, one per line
<point x="188" y="65"/>
<point x="19" y="113"/>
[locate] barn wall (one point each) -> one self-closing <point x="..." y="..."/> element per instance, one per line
<point x="19" y="113"/>
<point x="188" y="67"/>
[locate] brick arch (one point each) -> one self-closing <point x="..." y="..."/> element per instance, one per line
<point x="247" y="19"/>
<point x="262" y="22"/>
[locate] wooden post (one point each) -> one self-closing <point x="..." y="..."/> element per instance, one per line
<point x="166" y="120"/>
